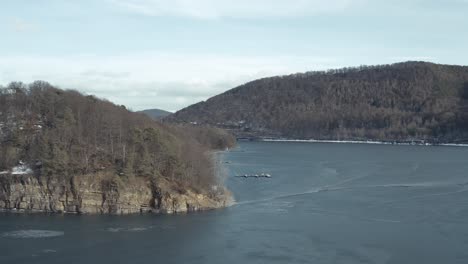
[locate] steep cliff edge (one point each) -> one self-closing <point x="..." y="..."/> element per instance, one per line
<point x="99" y="195"/>
<point x="61" y="151"/>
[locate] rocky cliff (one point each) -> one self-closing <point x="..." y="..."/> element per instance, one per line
<point x="62" y="151"/>
<point x="95" y="194"/>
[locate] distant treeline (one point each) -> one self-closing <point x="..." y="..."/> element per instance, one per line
<point x="404" y="101"/>
<point x="61" y="134"/>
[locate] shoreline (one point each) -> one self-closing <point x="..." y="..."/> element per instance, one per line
<point x="27" y="194"/>
<point x="370" y="142"/>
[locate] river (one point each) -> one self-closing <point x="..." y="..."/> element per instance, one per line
<point x="325" y="203"/>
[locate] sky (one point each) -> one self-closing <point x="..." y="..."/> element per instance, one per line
<point x="170" y="54"/>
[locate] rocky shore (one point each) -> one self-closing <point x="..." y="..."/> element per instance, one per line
<point x="97" y="194"/>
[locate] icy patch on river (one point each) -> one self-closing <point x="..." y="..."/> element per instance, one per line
<point x="33" y="234"/>
<point x="125" y="229"/>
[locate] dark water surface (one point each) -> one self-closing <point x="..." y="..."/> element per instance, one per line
<point x="326" y="203"/>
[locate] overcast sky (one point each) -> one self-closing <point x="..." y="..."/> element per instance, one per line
<point x="169" y="54"/>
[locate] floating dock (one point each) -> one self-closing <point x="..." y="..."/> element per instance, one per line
<point x="262" y="175"/>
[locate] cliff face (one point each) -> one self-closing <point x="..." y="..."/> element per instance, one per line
<point x="61" y="151"/>
<point x="97" y="195"/>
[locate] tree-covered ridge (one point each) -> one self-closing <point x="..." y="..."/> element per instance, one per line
<point x="404" y="101"/>
<point x="156" y="114"/>
<point x="61" y="134"/>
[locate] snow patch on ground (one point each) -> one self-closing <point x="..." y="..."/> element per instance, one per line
<point x="21" y="170"/>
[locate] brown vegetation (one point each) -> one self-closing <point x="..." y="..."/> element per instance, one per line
<point x="61" y="134"/>
<point x="405" y="101"/>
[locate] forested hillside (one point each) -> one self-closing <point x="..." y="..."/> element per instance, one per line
<point x="404" y="101"/>
<point x="56" y="134"/>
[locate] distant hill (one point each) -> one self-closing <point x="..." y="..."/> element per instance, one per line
<point x="156" y="114"/>
<point x="403" y="101"/>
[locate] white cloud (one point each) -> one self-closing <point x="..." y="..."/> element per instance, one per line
<point x="152" y="80"/>
<point x="412" y="58"/>
<point x="165" y="80"/>
<point x="210" y="9"/>
<point x="20" y="25"/>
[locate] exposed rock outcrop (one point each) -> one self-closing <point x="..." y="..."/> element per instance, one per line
<point x="62" y="151"/>
<point x="95" y="194"/>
